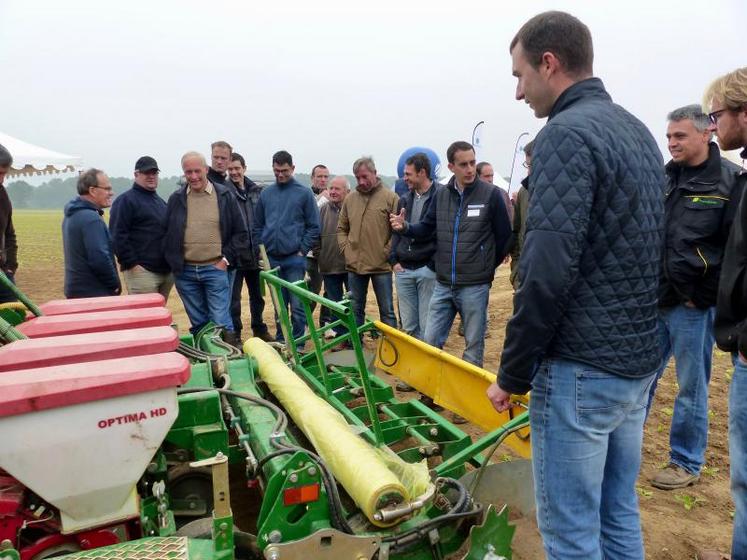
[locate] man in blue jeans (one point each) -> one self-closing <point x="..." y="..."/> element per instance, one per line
<point x="726" y="98"/>
<point x="286" y="222"/>
<point x="205" y="234"/>
<point x="412" y="259"/>
<point x="583" y="333"/>
<point x="472" y="231"/>
<point x="702" y="193"/>
<point x="364" y="237"/>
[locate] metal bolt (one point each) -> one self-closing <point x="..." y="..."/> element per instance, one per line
<point x="311" y="471"/>
<point x="293" y="477"/>
<point x="275" y="537"/>
<point x="433" y="432"/>
<point x="272" y="553"/>
<point x="223" y="526"/>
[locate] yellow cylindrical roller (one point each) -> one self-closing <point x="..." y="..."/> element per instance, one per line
<point x="366" y="473"/>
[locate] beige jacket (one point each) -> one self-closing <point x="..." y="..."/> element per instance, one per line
<point x="363" y="232"/>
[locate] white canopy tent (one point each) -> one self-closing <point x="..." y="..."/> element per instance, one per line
<point x="29" y="159"/>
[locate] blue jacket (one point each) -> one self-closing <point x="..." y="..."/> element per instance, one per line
<point x="137" y="223"/>
<point x="286" y="220"/>
<point x="589" y="268"/>
<point x="89" y="261"/>
<point x="233" y="233"/>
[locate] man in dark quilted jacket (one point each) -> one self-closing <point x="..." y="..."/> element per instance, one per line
<point x="583" y="336"/>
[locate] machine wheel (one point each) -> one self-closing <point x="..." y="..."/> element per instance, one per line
<point x="57" y="550"/>
<point x="245" y="544"/>
<point x="187" y="486"/>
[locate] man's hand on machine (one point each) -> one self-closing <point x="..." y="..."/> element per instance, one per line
<point x="500" y="399"/>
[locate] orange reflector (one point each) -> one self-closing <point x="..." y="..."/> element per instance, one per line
<point x="301" y="494"/>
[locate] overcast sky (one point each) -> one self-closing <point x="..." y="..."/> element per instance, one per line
<point x="328" y="81"/>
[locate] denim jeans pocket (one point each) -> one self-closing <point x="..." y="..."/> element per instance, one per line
<point x="603" y="399"/>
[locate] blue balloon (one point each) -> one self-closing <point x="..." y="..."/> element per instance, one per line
<point x="432" y="156"/>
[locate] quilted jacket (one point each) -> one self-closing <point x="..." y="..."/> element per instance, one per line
<point x="590" y="263"/>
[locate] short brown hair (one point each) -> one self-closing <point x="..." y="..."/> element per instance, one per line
<point x="458" y="146"/>
<point x="561" y="34"/>
<point x="221" y="144"/>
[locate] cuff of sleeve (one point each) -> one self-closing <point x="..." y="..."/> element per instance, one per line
<point x="513" y="385"/>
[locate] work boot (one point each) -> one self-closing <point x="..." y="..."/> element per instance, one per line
<point x="233" y="338"/>
<point x="264" y="335"/>
<point x="404" y="387"/>
<point x="427" y="401"/>
<point x="673" y="477"/>
<point x="457" y="419"/>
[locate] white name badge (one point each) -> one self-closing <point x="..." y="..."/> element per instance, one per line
<point x="473" y="212"/>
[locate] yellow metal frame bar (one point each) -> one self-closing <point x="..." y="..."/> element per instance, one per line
<point x="451" y="382"/>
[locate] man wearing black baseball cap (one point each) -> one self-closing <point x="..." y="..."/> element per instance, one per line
<point x="137" y="225"/>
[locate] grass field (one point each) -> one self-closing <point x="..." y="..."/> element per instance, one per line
<point x="675" y="523"/>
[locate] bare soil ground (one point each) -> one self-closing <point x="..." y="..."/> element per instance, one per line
<point x="675" y="524"/>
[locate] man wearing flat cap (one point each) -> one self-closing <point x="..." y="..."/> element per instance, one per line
<point x="138" y="225"/>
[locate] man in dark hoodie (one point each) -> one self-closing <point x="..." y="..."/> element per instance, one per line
<point x="287" y="224"/>
<point x="247" y="270"/>
<point x="137" y="223"/>
<point x="8" y="245"/>
<point x="89" y="259"/>
<point x="220" y="157"/>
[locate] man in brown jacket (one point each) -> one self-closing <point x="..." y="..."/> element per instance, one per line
<point x="365" y="237"/>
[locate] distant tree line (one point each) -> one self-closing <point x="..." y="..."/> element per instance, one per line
<point x="57" y="192"/>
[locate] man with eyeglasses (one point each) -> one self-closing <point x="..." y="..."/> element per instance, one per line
<point x="726" y="98"/>
<point x="701" y="197"/>
<point x="286" y="222"/>
<point x="89" y="260"/>
<point x="137" y="224"/>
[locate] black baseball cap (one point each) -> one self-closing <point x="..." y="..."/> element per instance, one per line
<point x="146" y="163"/>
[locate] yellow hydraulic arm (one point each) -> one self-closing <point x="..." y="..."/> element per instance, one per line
<point x="451" y="382"/>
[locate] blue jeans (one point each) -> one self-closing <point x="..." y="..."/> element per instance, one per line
<point x="292" y="269"/>
<point x="206" y="293"/>
<point x="587" y="431"/>
<point x="687" y="332"/>
<point x="335" y="286"/>
<point x="414" y="291"/>
<point x="382" y="285"/>
<point x="738" y="457"/>
<point x="472" y="304"/>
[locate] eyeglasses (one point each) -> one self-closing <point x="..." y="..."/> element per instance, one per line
<point x="102" y="188"/>
<point x="713" y="117"/>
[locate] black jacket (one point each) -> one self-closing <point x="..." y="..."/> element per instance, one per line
<point x="89" y="262"/>
<point x="731" y="305"/>
<point x="414" y="253"/>
<point x="214" y="177"/>
<point x="137" y="223"/>
<point x="233" y="233"/>
<point x="8" y="243"/>
<point x="248" y="197"/>
<point x="590" y="263"/>
<point x="472" y="232"/>
<point x="699" y="213"/>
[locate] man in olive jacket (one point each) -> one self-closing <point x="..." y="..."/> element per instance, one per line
<point x="365" y="238"/>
